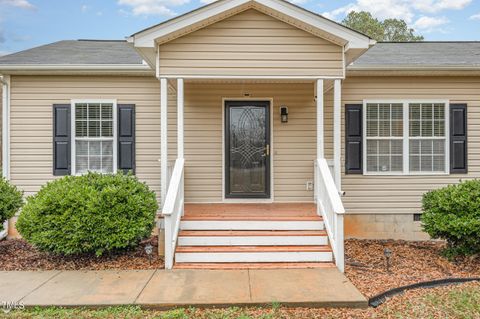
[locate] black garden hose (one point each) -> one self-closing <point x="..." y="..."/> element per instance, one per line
<point x="379" y="299"/>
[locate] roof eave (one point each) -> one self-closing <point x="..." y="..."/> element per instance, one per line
<point x="126" y="69"/>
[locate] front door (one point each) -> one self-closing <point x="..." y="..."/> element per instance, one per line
<point x="247" y="149"/>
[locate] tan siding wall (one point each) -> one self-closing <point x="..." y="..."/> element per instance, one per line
<point x="293" y="143"/>
<point x="31" y="122"/>
<point x="251" y="43"/>
<point x="402" y="194"/>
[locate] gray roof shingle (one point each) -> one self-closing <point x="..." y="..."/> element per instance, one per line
<point x="422" y="54"/>
<point x="98" y="52"/>
<point x="76" y="52"/>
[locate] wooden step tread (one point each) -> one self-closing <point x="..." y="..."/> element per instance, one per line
<point x="250" y="233"/>
<point x="250" y="218"/>
<point x="251" y="249"/>
<point x="300" y="265"/>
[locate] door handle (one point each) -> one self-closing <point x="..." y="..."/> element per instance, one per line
<point x="267" y="151"/>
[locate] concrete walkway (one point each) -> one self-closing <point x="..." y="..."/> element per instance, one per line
<point x="322" y="287"/>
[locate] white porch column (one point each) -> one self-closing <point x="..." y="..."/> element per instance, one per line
<point x="180" y="130"/>
<point x="163" y="137"/>
<point x="320" y="138"/>
<point x="5" y="80"/>
<point x="337" y="96"/>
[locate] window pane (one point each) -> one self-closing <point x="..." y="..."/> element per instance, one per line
<point x="81" y="128"/>
<point x="384" y="156"/>
<point x="81" y="157"/>
<point x="107" y="111"/>
<point x="107" y="129"/>
<point x="427" y="155"/>
<point x="94" y="111"/>
<point x="95" y="163"/>
<point x="107" y="148"/>
<point x="81" y="111"/>
<point x="93" y="129"/>
<point x="107" y="164"/>
<point x="94" y="148"/>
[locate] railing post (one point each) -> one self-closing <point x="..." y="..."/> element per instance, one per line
<point x="168" y="243"/>
<point x="339" y="241"/>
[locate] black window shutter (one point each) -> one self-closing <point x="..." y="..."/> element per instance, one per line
<point x="353" y="139"/>
<point x="458" y="138"/>
<point x="61" y="140"/>
<point x="126" y="137"/>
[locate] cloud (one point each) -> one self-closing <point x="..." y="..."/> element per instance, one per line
<point x="152" y="7"/>
<point x="84" y="8"/>
<point x="475" y="17"/>
<point x="23" y="4"/>
<point x="399" y="9"/>
<point x="430" y="23"/>
<point x="433" y="6"/>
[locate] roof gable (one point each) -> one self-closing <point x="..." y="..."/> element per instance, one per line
<point x="220" y="10"/>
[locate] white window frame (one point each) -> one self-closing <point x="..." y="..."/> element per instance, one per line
<point x="406" y="136"/>
<point x="73" y="135"/>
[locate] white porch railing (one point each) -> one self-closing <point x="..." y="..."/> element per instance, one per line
<point x="330" y="207"/>
<point x="173" y="210"/>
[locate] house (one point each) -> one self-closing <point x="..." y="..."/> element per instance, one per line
<point x="248" y="116"/>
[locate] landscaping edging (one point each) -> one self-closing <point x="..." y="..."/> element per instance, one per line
<point x="379" y="299"/>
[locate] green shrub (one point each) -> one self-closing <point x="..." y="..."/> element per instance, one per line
<point x="92" y="213"/>
<point x="11" y="199"/>
<point x="452" y="213"/>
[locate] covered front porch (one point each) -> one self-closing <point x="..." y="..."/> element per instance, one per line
<point x="285" y="196"/>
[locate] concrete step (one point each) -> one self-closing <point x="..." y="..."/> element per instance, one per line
<point x="252" y="238"/>
<point x="245" y="224"/>
<point x="276" y="265"/>
<point x="256" y="254"/>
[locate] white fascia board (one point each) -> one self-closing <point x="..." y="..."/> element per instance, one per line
<point x="80" y="67"/>
<point x="413" y="67"/>
<point x="60" y="69"/>
<point x="355" y="39"/>
<point x="147" y="38"/>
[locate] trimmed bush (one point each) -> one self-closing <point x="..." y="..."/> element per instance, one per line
<point x="11" y="200"/>
<point x="92" y="213"/>
<point x="452" y="213"/>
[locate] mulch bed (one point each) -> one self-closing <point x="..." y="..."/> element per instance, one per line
<point x="411" y="262"/>
<point x="17" y="254"/>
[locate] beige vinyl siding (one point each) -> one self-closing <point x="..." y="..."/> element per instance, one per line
<point x="251" y="43"/>
<point x="293" y="148"/>
<point x="402" y="194"/>
<point x="31" y="122"/>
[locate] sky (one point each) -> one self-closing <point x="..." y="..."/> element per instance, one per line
<point x="28" y="23"/>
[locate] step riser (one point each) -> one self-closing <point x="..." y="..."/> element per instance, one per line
<point x="253" y="241"/>
<point x="253" y="257"/>
<point x="251" y="225"/>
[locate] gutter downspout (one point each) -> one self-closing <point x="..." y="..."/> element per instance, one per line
<point x="5" y="80"/>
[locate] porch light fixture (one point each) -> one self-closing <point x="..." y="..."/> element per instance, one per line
<point x="284" y="114"/>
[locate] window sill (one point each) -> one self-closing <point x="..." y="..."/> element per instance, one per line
<point x="407" y="174"/>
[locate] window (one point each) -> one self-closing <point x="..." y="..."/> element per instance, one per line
<point x="94" y="137"/>
<point x="405" y="137"/>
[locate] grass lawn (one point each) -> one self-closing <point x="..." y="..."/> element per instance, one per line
<point x="462" y="301"/>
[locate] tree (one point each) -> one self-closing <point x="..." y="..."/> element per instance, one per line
<point x="389" y="30"/>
